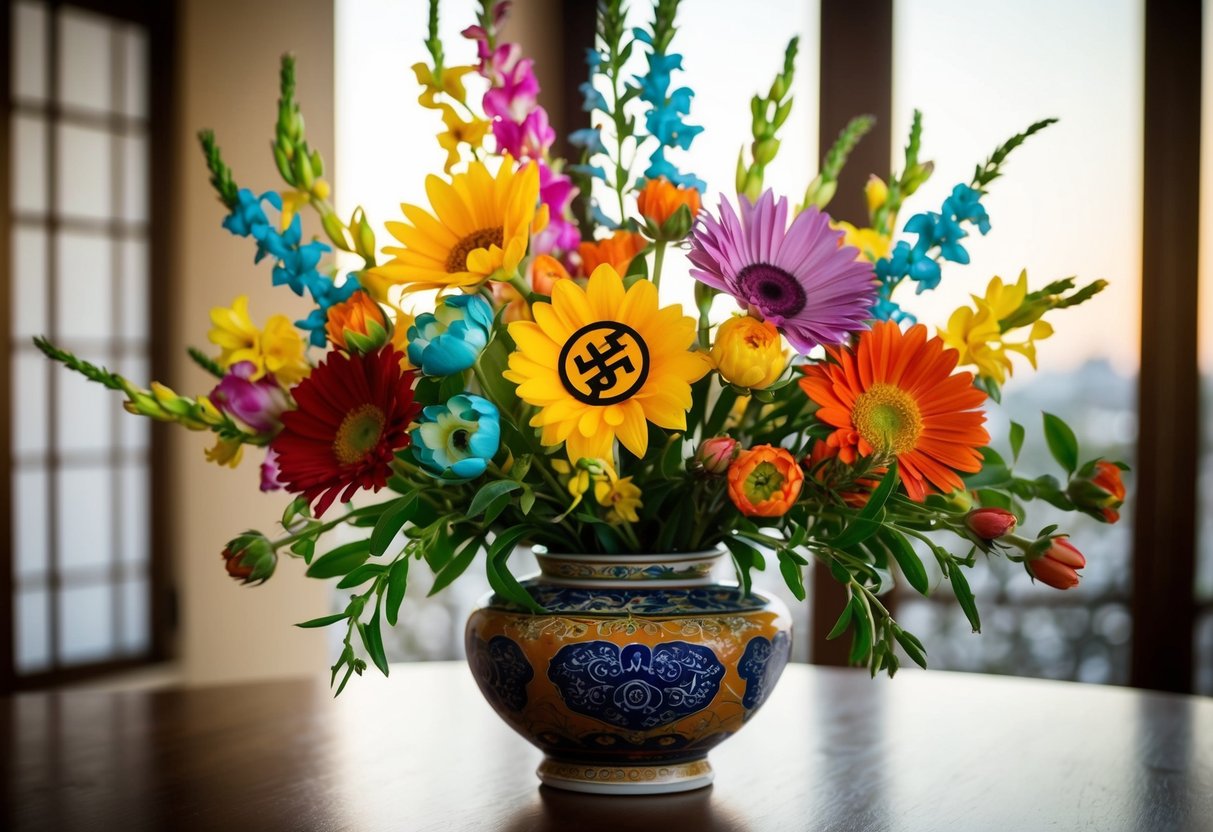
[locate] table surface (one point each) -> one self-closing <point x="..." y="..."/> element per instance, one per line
<point x="832" y="749"/>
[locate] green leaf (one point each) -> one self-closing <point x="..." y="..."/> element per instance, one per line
<point x="840" y="626"/>
<point x="490" y="492"/>
<point x="340" y="561"/>
<point x="305" y="547"/>
<point x="323" y="621"/>
<point x="743" y="560"/>
<point x="671" y="459"/>
<point x="507" y="540"/>
<point x="1062" y="442"/>
<point x="912" y="646"/>
<point x="867" y="522"/>
<point x="505" y="584"/>
<point x="391" y="522"/>
<point x="1017" y="434"/>
<point x="911" y="565"/>
<point x="361" y="575"/>
<point x="861" y="642"/>
<point x="960" y="585"/>
<point x="397" y="582"/>
<point x="527" y="501"/>
<point x="457" y="565"/>
<point x="792" y="574"/>
<point x="372" y="639"/>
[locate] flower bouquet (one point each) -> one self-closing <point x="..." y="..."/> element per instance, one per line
<point x="545" y="394"/>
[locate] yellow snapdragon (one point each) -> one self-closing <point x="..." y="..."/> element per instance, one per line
<point x="277" y="349"/>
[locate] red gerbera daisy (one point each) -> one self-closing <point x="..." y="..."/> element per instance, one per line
<point x="353" y="415"/>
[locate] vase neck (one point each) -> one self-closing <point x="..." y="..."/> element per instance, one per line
<point x="648" y="571"/>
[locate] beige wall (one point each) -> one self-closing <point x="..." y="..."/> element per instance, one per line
<point x="228" y="70"/>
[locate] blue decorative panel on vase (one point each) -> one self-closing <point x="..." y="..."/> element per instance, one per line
<point x="761" y="665"/>
<point x="636" y="687"/>
<point x="502" y="670"/>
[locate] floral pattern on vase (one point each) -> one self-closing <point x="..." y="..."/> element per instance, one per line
<point x="636" y="687"/>
<point x="761" y="665"/>
<point x="502" y="669"/>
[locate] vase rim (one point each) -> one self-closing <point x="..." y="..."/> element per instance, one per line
<point x="541" y="551"/>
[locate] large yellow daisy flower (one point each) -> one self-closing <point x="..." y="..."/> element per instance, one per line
<point x="480" y="224"/>
<point x="601" y="362"/>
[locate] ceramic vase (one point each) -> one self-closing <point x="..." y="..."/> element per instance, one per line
<point x="640" y="665"/>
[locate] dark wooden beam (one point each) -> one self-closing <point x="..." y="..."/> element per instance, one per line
<point x="1164" y="517"/>
<point x="8" y="532"/>
<point x="856" y="78"/>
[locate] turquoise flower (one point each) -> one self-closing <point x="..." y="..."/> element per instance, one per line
<point x="455" y="441"/>
<point x="939" y="236"/>
<point x="449" y="339"/>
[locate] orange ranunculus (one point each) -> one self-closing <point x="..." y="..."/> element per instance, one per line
<point x="357" y="324"/>
<point x="764" y="481"/>
<point x="545" y="271"/>
<point x="660" y="200"/>
<point x="616" y="251"/>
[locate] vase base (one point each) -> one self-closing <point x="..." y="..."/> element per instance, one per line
<point x="659" y="778"/>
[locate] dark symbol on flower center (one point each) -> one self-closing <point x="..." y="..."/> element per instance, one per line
<point x="604" y="363"/>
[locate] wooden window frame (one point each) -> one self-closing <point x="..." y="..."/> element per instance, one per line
<point x="856" y="76"/>
<point x="158" y="20"/>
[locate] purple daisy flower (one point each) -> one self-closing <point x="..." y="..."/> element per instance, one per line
<point x="797" y="278"/>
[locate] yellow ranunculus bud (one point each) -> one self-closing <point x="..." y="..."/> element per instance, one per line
<point x="749" y="353"/>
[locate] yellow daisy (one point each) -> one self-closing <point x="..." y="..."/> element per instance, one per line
<point x="601" y="362"/>
<point x="480" y="226"/>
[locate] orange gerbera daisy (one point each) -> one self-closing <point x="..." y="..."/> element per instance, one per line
<point x="894" y="395"/>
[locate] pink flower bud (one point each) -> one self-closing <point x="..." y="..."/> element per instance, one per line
<point x="715" y="454"/>
<point x="1056" y="567"/>
<point x="990" y="523"/>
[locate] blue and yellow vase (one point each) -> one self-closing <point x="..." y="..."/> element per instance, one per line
<point x="639" y="667"/>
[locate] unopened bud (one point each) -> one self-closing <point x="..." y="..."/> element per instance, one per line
<point x="990" y="523"/>
<point x="716" y="454"/>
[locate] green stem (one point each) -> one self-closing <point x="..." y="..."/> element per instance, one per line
<point x="658" y="262"/>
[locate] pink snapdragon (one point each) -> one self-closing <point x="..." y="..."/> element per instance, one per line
<point x="259" y="404"/>
<point x="521" y="127"/>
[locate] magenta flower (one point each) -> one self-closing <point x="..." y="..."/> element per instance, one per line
<point x="556" y="191"/>
<point x="527" y="139"/>
<point x="798" y="277"/>
<point x="259" y="404"/>
<point x="270" y="472"/>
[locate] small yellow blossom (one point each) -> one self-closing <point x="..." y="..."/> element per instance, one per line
<point x="452" y="84"/>
<point x="749" y="353"/>
<point x="278" y="349"/>
<point x="871" y="243"/>
<point x="227" y="452"/>
<point x="977" y="334"/>
<point x="620" y="496"/>
<point x="458" y="131"/>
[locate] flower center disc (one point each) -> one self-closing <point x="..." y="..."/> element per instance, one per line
<point x="888" y="418"/>
<point x="457" y="260"/>
<point x="772" y="290"/>
<point x="763" y="482"/>
<point x="359" y="433"/>
<point x="603" y="363"/>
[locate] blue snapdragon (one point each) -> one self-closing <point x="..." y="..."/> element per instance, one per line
<point x="248" y="217"/>
<point x="939" y="236"/>
<point x="665" y="118"/>
<point x="296" y="264"/>
<point x="451" y="338"/>
<point x="457" y="440"/>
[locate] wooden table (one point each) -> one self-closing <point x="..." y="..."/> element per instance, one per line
<point x="832" y="749"/>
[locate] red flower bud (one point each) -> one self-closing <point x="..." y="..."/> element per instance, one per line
<point x="250" y="557"/>
<point x="1098" y="490"/>
<point x="990" y="523"/>
<point x="715" y="454"/>
<point x="1056" y="567"/>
